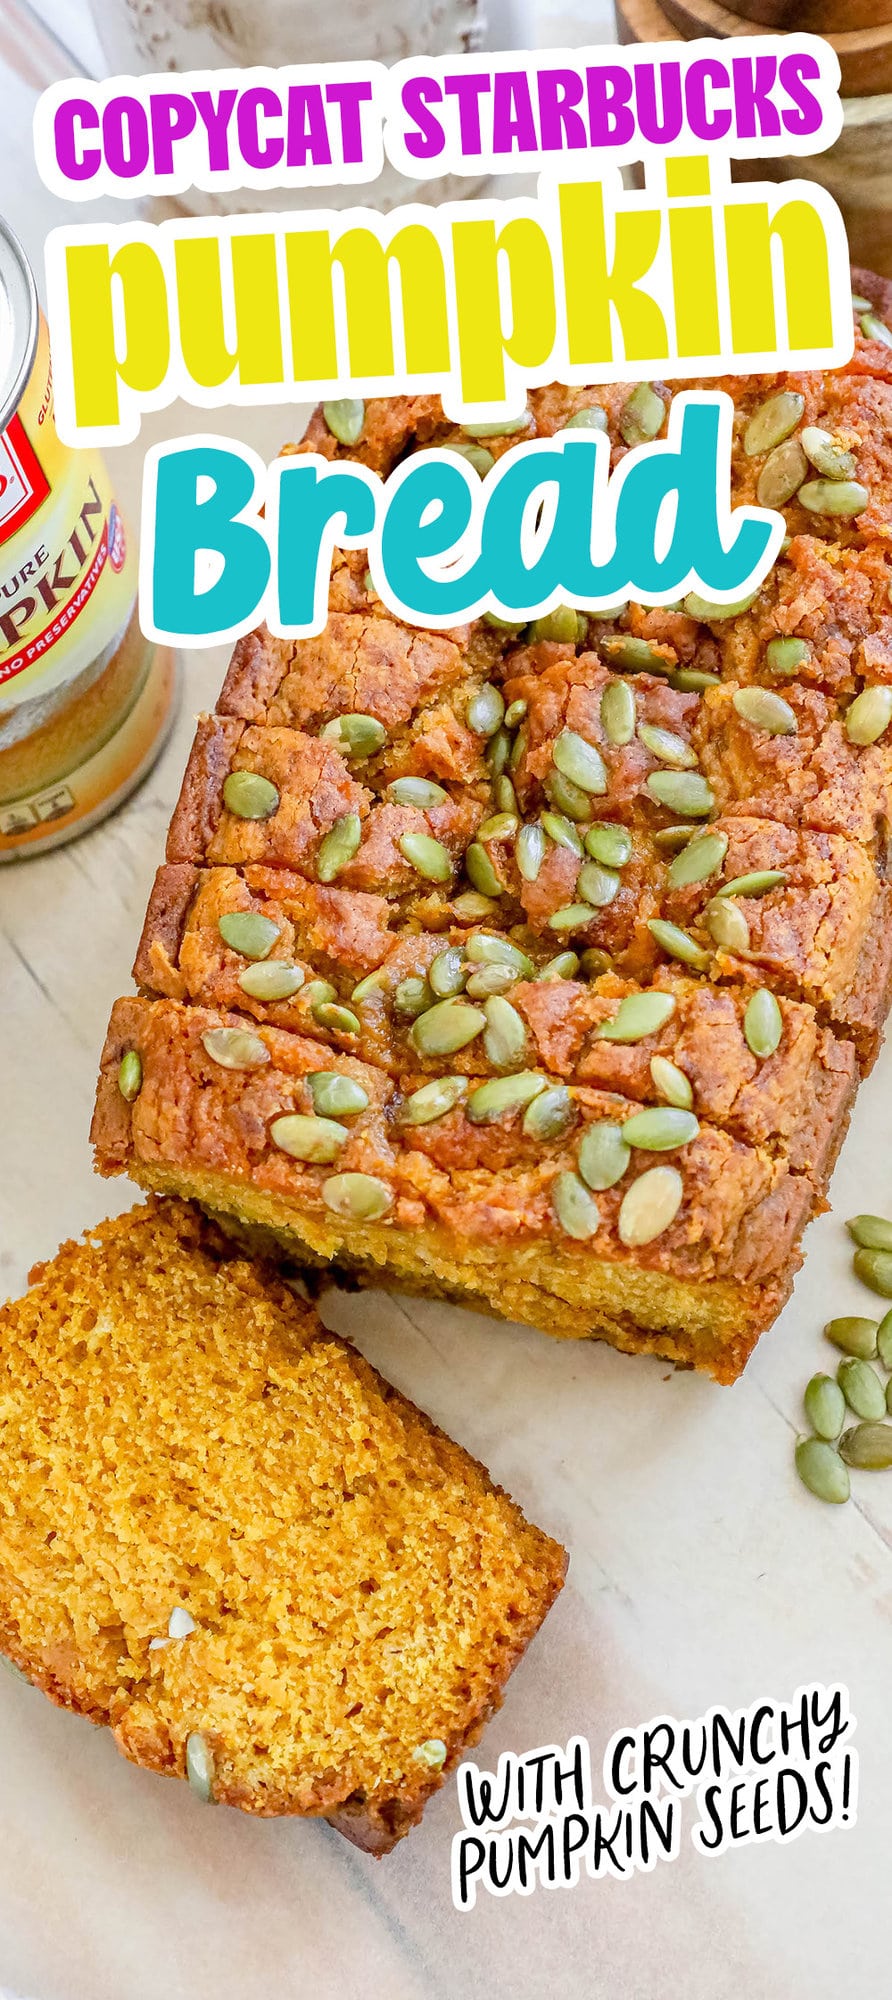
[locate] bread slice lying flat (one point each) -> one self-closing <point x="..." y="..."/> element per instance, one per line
<point x="180" y="1435"/>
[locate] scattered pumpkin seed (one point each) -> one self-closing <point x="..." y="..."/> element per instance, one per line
<point x="480" y="870"/>
<point x="500" y="826"/>
<point x="884" y="1340"/>
<point x="476" y="455"/>
<point x="825" y="1406"/>
<point x="485" y="710"/>
<point x="573" y="917"/>
<point x="638" y="1015"/>
<point x="345" y="417"/>
<point x="597" y="884"/>
<point x="786" y="656"/>
<point x="874" y="1268"/>
<point x="705" y="607"/>
<point x="860" y="305"/>
<point x="608" y="843"/>
<point x="200" y="1766"/>
<point x="249" y="796"/>
<point x="678" y="943"/>
<point x="593" y="961"/>
<point x="670" y="839"/>
<point x="247" y="932"/>
<point x="822" y="1471"/>
<point x="318" y="1140"/>
<point x="828" y="457"/>
<point x="659" y="1128"/>
<point x="564" y="965"/>
<point x="862" y="1388"/>
<point x="487" y="979"/>
<point x="374" y="982"/>
<point x="569" y="799"/>
<point x="506" y="796"/>
<point x="421" y="792"/>
<point x="756" y="884"/>
<point x="763" y="709"/>
<point x="604" y="1155"/>
<point x="356" y="1197"/>
<point x="576" y="1211"/>
<point x="517" y="749"/>
<point x="434" y="1100"/>
<point x="472" y="908"/>
<point x="671" y="1083"/>
<point x="869" y="715"/>
<point x="130" y="1076"/>
<point x="642" y="414"/>
<point x="763" y="1023"/>
<point x="505" y="1035"/>
<point x="773" y="421"/>
<point x="336" y="1095"/>
<point x="484" y="948"/>
<point x="235" y="1048"/>
<point x="427" y="856"/>
<point x="846" y="497"/>
<point x="412" y="997"/>
<point x="338" y="847"/>
<point x="697" y="860"/>
<point x="444" y="1029"/>
<point x="685" y="792"/>
<point x="867" y="1446"/>
<point x="559" y="625"/>
<point x="782" y="474"/>
<point x="590" y="417"/>
<point x="694" y="680"/>
<point x="339" y="1020"/>
<point x="876" y="329"/>
<point x="515" y="712"/>
<point x="319" y="991"/>
<point x="499" y="427"/>
<point x="665" y="745"/>
<point x="650" y="1206"/>
<point x="503" y="1094"/>
<point x="497" y="752"/>
<point x="853" y="1335"/>
<point x="579" y="761"/>
<point x="446" y="975"/>
<point x="529" y="851"/>
<point x="633" y="656"/>
<point x="432" y="1753"/>
<point x="618" y="712"/>
<point x="357" y="735"/>
<point x="563" y="832"/>
<point x="727" y="925"/>
<point x="550" y="1114"/>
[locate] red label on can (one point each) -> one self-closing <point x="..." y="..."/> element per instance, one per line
<point x="23" y="482"/>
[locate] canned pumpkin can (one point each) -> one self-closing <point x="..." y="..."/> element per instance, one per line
<point x="85" y="699"/>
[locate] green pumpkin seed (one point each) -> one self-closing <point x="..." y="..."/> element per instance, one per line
<point x="569" y="799"/>
<point x="694" y="680"/>
<point x="671" y="839"/>
<point x="412" y="997"/>
<point x="660" y="1128"/>
<point x="869" y="715"/>
<point x="763" y="709"/>
<point x="345" y="417"/>
<point x="597" y="884"/>
<point x="318" y="1140"/>
<point x="822" y="1471"/>
<point x="249" y="796"/>
<point x="786" y="656"/>
<point x="564" y="965"/>
<point x="505" y="1035"/>
<point x="763" y="1023"/>
<point x="446" y="1028"/>
<point x="874" y="1268"/>
<point x="130" y="1076"/>
<point x="501" y="826"/>
<point x="593" y="961"/>
<point x="420" y="792"/>
<point x="434" y="1100"/>
<point x="529" y="851"/>
<point x="559" y="625"/>
<point x="685" y="792"/>
<point x="868" y="1447"/>
<point x="705" y="608"/>
<point x="846" y="497"/>
<point x="618" y="712"/>
<point x="697" y="860"/>
<point x="486" y="949"/>
<point x="862" y="1388"/>
<point x="563" y="832"/>
<point x="499" y="427"/>
<point x="503" y="1094"/>
<point x="374" y="982"/>
<point x="518" y="749"/>
<point x="665" y="745"/>
<point x="235" y="1048"/>
<point x="506" y="797"/>
<point x="727" y="925"/>
<point x="671" y="1083"/>
<point x="515" y="713"/>
<point x="860" y="305"/>
<point x="447" y="973"/>
<point x="678" y="943"/>
<point x="247" y="932"/>
<point x="603" y="1155"/>
<point x="825" y="1406"/>
<point x="853" y="1336"/>
<point x="339" y="1020"/>
<point x="276" y="980"/>
<point x="200" y="1766"/>
<point x="497" y="752"/>
<point x="573" y="917"/>
<point x="576" y="1211"/>
<point x="336" y="1095"/>
<point x="782" y="474"/>
<point x="427" y="856"/>
<point x="608" y="843"/>
<point x="319" y="992"/>
<point x="489" y="979"/>
<point x="550" y="1114"/>
<point x="642" y="414"/>
<point x="756" y="884"/>
<point x="580" y="762"/>
<point x="633" y="656"/>
<point x="480" y="870"/>
<point x="472" y="908"/>
<point x="884" y="1340"/>
<point x="638" y="1015"/>
<point x="876" y="329"/>
<point x="773" y="421"/>
<point x="339" y="847"/>
<point x="357" y="735"/>
<point x="827" y="457"/>
<point x="650" y="1206"/>
<point x="356" y="1197"/>
<point x="476" y="455"/>
<point x="485" y="711"/>
<point x="590" y="417"/>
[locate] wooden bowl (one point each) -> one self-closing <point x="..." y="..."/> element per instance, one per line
<point x="819" y="17"/>
<point x="864" y="54"/>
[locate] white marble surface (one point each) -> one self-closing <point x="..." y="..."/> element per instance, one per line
<point x="700" y="1572"/>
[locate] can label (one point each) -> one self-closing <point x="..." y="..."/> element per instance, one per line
<point x="67" y="577"/>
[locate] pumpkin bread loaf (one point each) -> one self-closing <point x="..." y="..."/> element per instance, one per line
<point x="225" y="1536"/>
